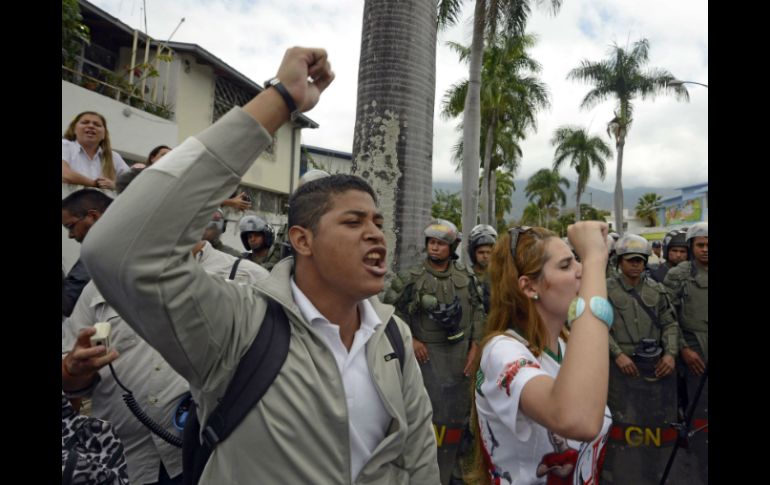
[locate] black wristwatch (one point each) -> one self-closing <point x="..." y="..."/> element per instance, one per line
<point x="278" y="85"/>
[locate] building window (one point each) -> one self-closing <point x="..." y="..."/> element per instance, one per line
<point x="266" y="201"/>
<point x="227" y="95"/>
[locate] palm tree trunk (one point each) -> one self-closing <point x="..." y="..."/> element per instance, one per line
<point x="393" y="143"/>
<point x="472" y="127"/>
<point x="492" y="196"/>
<point x="619" y="185"/>
<point x="484" y="205"/>
<point x="577" y="210"/>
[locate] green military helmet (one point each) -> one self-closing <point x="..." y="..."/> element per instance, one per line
<point x="443" y="230"/>
<point x="632" y="244"/>
<point x="428" y="302"/>
<point x="481" y="235"/>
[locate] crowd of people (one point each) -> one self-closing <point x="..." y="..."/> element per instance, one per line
<point x="447" y="374"/>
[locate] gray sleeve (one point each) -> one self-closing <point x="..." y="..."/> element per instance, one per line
<point x="139" y="257"/>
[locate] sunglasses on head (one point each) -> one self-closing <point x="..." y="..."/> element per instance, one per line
<point x="515" y="232"/>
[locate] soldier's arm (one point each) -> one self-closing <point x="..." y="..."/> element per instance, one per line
<point x="398" y="295"/>
<point x="615" y="349"/>
<point x="670" y="335"/>
<point x="674" y="283"/>
<point x="479" y="315"/>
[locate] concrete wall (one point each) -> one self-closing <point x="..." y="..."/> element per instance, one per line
<point x="277" y="171"/>
<point x="194" y="100"/>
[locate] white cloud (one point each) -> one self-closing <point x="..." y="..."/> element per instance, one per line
<point x="667" y="144"/>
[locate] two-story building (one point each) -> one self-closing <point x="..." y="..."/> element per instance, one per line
<point x="159" y="93"/>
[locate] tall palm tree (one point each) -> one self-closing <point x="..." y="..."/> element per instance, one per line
<point x="544" y="186"/>
<point x="511" y="95"/>
<point x="584" y="152"/>
<point x="531" y="216"/>
<point x="647" y="208"/>
<point x="620" y="76"/>
<point x="393" y="142"/>
<point x="504" y="190"/>
<point x="487" y="15"/>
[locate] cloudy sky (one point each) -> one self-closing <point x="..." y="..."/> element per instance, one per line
<point x="667" y="145"/>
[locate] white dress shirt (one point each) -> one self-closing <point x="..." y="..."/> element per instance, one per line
<point x="367" y="418"/>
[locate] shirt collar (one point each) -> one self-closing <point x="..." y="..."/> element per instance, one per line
<point x="98" y="150"/>
<point x="369" y="318"/>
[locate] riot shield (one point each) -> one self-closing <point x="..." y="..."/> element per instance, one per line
<point x="449" y="392"/>
<point x="641" y="438"/>
<point x="692" y="456"/>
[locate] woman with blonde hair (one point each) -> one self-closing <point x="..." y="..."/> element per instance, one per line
<point x="87" y="157"/>
<point x="529" y="392"/>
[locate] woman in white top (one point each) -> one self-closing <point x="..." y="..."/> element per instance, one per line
<point x="86" y="155"/>
<point x="534" y="402"/>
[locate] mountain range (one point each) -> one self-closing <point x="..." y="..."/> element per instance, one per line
<point x="600" y="199"/>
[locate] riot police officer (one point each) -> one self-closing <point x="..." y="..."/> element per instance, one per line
<point x="480" y="244"/>
<point x="642" y="311"/>
<point x="674" y="251"/>
<point x="688" y="285"/>
<point x="257" y="237"/>
<point x="643" y="345"/>
<point x="439" y="300"/>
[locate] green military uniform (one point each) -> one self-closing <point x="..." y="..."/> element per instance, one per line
<point x="632" y="323"/>
<point x="407" y="288"/>
<point x="268" y="260"/>
<point x="447" y="386"/>
<point x="482" y="279"/>
<point x="688" y="286"/>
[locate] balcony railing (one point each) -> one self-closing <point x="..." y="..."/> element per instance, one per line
<point x="108" y="83"/>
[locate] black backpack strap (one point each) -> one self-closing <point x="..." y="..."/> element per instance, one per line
<point x="644" y="306"/>
<point x="396" y="341"/>
<point x="235" y="268"/>
<point x="256" y="371"/>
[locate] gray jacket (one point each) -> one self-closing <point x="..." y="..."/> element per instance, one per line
<point x="298" y="433"/>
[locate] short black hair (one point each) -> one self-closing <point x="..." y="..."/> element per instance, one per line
<point x="311" y="201"/>
<point x="80" y="202"/>
<point x="154" y="152"/>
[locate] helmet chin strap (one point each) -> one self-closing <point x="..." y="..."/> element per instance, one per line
<point x="436" y="259"/>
